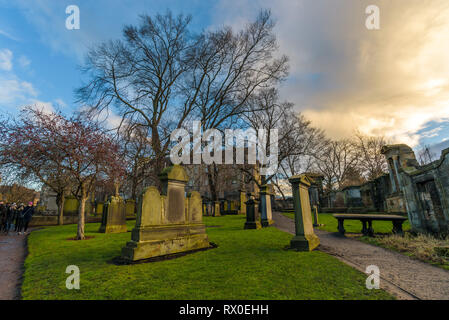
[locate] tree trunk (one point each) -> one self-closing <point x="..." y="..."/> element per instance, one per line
<point x="60" y="199"/>
<point x="81" y="215"/>
<point x="212" y="186"/>
<point x="117" y="188"/>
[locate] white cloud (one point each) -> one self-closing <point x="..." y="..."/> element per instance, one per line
<point x="7" y="35"/>
<point x="46" y="107"/>
<point x="6" y="59"/>
<point x="24" y="61"/>
<point x="392" y="81"/>
<point x="60" y="103"/>
<point x="13" y="91"/>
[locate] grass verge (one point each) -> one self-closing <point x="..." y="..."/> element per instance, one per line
<point x="248" y="264"/>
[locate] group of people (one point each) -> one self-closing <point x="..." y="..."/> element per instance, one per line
<point x="15" y="217"/>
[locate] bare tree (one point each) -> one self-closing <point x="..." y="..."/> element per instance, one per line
<point x="139" y="157"/>
<point x="161" y="75"/>
<point x="425" y="156"/>
<point x="297" y="139"/>
<point x="372" y="163"/>
<point x="335" y="161"/>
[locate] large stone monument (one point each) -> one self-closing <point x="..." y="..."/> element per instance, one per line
<point x="305" y="238"/>
<point x="265" y="206"/>
<point x="114" y="216"/>
<point x="167" y="222"/>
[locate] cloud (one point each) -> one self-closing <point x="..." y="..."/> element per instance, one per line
<point x="61" y="103"/>
<point x="14" y="91"/>
<point x="46" y="107"/>
<point x="24" y="62"/>
<point x="7" y="35"/>
<point x="6" y="59"/>
<point x="391" y="81"/>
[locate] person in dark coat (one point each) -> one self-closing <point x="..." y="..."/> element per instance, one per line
<point x="3" y="216"/>
<point x="28" y="213"/>
<point x="9" y="217"/>
<point x="19" y="219"/>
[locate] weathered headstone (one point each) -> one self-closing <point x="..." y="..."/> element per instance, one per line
<point x="205" y="213"/>
<point x="305" y="238"/>
<point x="99" y="208"/>
<point x="242" y="202"/>
<point x="114" y="216"/>
<point x="217" y="209"/>
<point x="252" y="215"/>
<point x="130" y="205"/>
<point x="167" y="222"/>
<point x="265" y="206"/>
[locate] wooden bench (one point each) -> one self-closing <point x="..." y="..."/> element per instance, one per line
<point x="367" y="222"/>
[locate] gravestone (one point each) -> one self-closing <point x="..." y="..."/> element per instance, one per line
<point x="167" y="222"/>
<point x="252" y="215"/>
<point x="265" y="206"/>
<point x="242" y="202"/>
<point x="305" y="238"/>
<point x="205" y="213"/>
<point x="130" y="205"/>
<point x="114" y="216"/>
<point x="217" y="209"/>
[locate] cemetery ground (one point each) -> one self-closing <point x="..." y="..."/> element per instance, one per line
<point x="421" y="247"/>
<point x="247" y="264"/>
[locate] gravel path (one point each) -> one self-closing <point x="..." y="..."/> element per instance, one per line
<point x="404" y="277"/>
<point x="12" y="256"/>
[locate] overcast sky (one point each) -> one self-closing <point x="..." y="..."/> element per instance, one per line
<point x="344" y="77"/>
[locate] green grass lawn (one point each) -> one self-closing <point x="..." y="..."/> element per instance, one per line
<point x="248" y="264"/>
<point x="352" y="226"/>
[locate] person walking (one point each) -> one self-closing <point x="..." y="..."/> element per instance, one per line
<point x="28" y="213"/>
<point x="19" y="219"/>
<point x="9" y="217"/>
<point x="3" y="216"/>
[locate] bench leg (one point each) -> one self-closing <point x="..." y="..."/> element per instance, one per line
<point x="370" y="228"/>
<point x="397" y="228"/>
<point x="364" y="228"/>
<point x="341" y="227"/>
<point x="367" y="230"/>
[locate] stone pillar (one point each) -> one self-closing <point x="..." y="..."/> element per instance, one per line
<point x="305" y="239"/>
<point x="217" y="209"/>
<point x="252" y="215"/>
<point x="265" y="206"/>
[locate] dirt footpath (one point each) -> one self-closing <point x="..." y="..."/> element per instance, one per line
<point x="404" y="277"/>
<point x="12" y="256"/>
